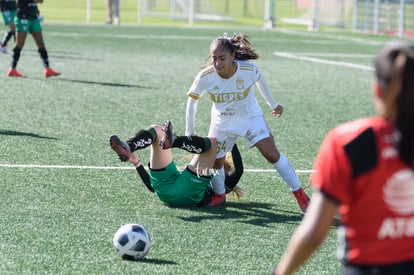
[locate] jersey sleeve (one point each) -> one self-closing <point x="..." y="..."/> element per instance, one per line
<point x="265" y="92"/>
<point x="263" y="88"/>
<point x="190" y="115"/>
<point x="197" y="88"/>
<point x="332" y="171"/>
<point x="195" y="92"/>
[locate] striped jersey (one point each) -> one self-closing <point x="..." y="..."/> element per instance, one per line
<point x="359" y="168"/>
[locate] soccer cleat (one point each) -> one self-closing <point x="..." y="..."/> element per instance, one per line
<point x="217" y="199"/>
<point x="302" y="199"/>
<point x="49" y="72"/>
<point x="3" y="49"/>
<point x="168" y="136"/>
<point x="14" y="73"/>
<point x="120" y="147"/>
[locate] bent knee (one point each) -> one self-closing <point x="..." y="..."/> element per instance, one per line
<point x="158" y="130"/>
<point x="272" y="158"/>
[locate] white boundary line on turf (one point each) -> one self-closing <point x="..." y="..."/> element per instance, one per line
<point x="38" y="166"/>
<point x="322" y="61"/>
<point x="322" y="54"/>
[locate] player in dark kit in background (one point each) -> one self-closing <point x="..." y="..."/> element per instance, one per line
<point x="8" y="11"/>
<point x="27" y="21"/>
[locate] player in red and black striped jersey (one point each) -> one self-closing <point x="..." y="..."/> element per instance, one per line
<point x="365" y="172"/>
<point x="27" y="21"/>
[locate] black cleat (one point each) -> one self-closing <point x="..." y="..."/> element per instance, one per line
<point x="120" y="147"/>
<point x="168" y="136"/>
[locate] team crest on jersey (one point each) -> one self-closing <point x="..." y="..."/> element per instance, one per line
<point x="240" y="84"/>
<point x="216" y="88"/>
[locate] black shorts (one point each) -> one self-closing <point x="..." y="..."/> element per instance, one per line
<point x="207" y="197"/>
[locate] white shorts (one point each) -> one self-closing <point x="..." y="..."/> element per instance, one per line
<point x="256" y="129"/>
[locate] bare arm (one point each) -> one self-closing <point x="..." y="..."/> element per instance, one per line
<point x="309" y="235"/>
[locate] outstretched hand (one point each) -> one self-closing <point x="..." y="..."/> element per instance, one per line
<point x="278" y="111"/>
<point x="237" y="192"/>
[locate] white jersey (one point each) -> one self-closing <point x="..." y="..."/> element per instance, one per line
<point x="234" y="101"/>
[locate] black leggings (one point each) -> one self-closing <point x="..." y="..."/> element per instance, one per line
<point x="207" y="197"/>
<point x="233" y="178"/>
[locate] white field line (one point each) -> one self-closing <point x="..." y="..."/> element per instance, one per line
<point x="323" y="61"/>
<point x="313" y="38"/>
<point x="321" y="54"/>
<point x="331" y="36"/>
<point x="38" y="166"/>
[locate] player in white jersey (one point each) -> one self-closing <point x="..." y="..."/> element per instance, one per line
<point x="229" y="79"/>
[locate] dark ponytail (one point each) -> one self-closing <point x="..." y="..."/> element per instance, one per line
<point x="404" y="121"/>
<point x="239" y="44"/>
<point x="394" y="68"/>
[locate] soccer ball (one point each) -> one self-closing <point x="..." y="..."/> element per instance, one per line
<point x="132" y="241"/>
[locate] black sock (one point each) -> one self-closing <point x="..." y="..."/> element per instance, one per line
<point x="6" y="38"/>
<point x="44" y="57"/>
<point x="15" y="57"/>
<point x="142" y="139"/>
<point x="192" y="144"/>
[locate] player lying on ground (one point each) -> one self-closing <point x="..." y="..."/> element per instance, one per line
<point x="188" y="187"/>
<point x="233" y="168"/>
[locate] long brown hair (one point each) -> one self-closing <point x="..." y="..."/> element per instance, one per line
<point x="239" y="44"/>
<point x="394" y="69"/>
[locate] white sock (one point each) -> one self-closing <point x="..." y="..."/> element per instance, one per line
<point x="218" y="182"/>
<point x="287" y="173"/>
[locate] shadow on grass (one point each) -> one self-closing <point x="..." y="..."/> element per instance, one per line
<point x="254" y="213"/>
<point x="25" y="134"/>
<point x="112" y="84"/>
<point x="152" y="261"/>
<point x="64" y="55"/>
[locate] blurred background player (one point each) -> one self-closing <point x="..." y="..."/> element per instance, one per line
<point x="188" y="187"/>
<point x="27" y="21"/>
<point x="8" y="11"/>
<point x="229" y="78"/>
<point x="113" y="12"/>
<point x="365" y="172"/>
